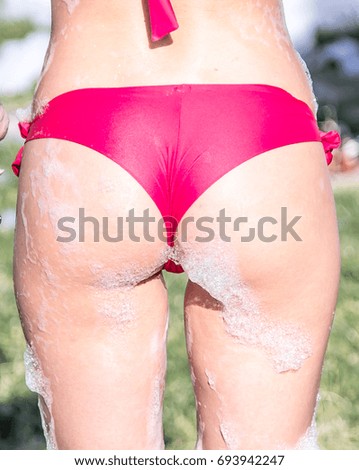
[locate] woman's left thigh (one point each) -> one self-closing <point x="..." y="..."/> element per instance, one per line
<point x="260" y="301"/>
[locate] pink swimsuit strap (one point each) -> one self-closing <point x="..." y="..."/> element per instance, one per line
<point x="162" y="18"/>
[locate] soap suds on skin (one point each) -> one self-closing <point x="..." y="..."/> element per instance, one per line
<point x="119" y="310"/>
<point x="30" y="252"/>
<point x="309" y="441"/>
<point x="309" y="81"/>
<point x="38" y="383"/>
<point x="200" y="431"/>
<point x="71" y="5"/>
<point x="154" y="423"/>
<point x="129" y="276"/>
<point x="228" y="436"/>
<point x="285" y="344"/>
<point x="210" y="379"/>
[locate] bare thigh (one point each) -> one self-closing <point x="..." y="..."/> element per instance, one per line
<point x="94" y="312"/>
<point x="258" y="312"/>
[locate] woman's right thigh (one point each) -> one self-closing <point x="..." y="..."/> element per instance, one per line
<point x="93" y="307"/>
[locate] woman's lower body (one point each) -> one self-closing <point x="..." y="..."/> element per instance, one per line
<point x="242" y="172"/>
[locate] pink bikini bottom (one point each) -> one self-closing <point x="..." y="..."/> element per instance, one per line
<point x="177" y="140"/>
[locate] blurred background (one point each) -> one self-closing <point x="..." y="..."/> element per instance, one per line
<point x="326" y="34"/>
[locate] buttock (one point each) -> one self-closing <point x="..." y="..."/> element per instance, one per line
<point x="177" y="140"/>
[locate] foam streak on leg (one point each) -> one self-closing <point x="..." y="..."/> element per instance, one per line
<point x="38" y="383"/>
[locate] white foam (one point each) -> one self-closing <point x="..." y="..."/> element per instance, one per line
<point x="285" y="344"/>
<point x="24" y="114"/>
<point x="228" y="436"/>
<point x="30" y="255"/>
<point x="120" y="310"/>
<point x="309" y="80"/>
<point x="38" y="383"/>
<point x="71" y="5"/>
<point x="154" y="424"/>
<point x="210" y="379"/>
<point x="200" y="431"/>
<point x="309" y="441"/>
<point x="49" y="56"/>
<point x="129" y="275"/>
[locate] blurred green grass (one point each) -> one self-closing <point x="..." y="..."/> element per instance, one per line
<point x="338" y="412"/>
<point x="16" y="29"/>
